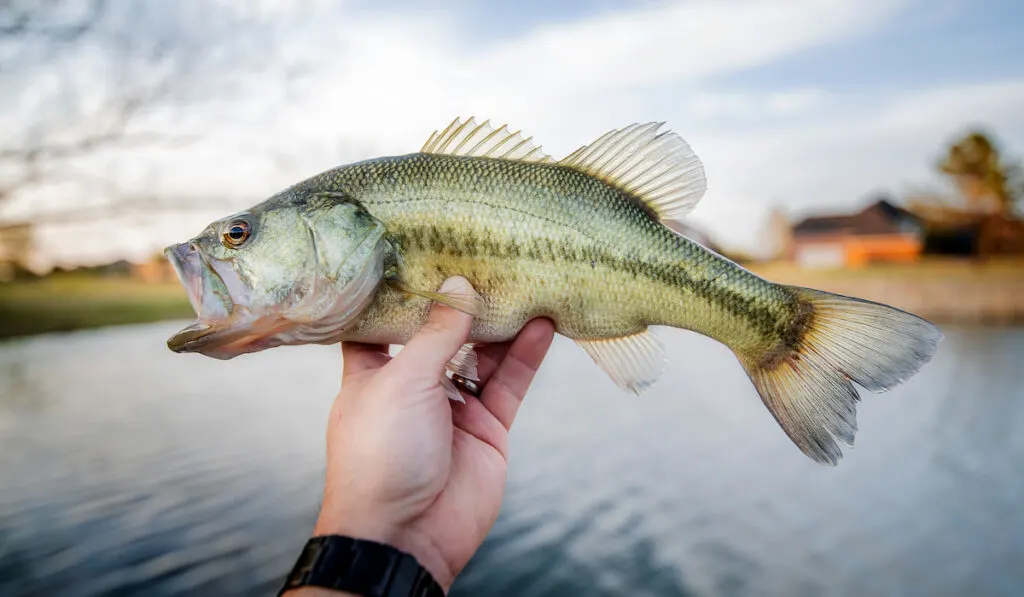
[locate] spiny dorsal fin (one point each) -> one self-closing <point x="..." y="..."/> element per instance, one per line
<point x="468" y="138"/>
<point x="659" y="169"/>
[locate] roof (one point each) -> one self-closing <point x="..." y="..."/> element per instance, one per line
<point x="880" y="217"/>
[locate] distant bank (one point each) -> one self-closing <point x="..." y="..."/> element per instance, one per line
<point x="944" y="291"/>
<point x="65" y="302"/>
<point x="963" y="291"/>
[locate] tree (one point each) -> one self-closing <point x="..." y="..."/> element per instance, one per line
<point x="987" y="183"/>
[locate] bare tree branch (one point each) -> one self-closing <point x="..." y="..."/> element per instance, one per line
<point x="94" y="85"/>
<point x="29" y="19"/>
<point x="132" y="74"/>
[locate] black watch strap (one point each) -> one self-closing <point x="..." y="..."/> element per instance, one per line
<point x="361" y="567"/>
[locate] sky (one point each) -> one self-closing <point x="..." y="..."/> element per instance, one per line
<point x="813" y="106"/>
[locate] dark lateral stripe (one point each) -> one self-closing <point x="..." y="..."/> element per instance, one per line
<point x="396" y="180"/>
<point x="467" y="243"/>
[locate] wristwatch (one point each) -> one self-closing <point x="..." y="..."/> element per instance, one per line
<point x="362" y="567"/>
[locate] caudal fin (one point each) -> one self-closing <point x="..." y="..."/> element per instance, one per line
<point x="808" y="389"/>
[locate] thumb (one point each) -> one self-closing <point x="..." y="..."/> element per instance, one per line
<point x="442" y="335"/>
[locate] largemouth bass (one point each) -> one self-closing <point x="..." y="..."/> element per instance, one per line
<point x="357" y="254"/>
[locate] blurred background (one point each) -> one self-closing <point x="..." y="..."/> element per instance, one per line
<point x="867" y="148"/>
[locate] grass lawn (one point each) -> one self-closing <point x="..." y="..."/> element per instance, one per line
<point x="66" y="302"/>
<point x="69" y="302"/>
<point x="950" y="270"/>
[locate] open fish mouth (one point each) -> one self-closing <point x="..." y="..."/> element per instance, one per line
<point x="216" y="293"/>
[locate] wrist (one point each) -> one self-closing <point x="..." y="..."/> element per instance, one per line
<point x="344" y="565"/>
<point x="419" y="546"/>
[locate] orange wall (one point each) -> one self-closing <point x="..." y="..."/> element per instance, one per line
<point x="861" y="250"/>
<point x="864" y="249"/>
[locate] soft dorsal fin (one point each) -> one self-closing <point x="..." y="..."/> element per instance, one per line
<point x="469" y="138"/>
<point x="659" y="169"/>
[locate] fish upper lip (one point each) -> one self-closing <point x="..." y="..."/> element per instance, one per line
<point x="191" y="266"/>
<point x="201" y="281"/>
<point x="185" y="259"/>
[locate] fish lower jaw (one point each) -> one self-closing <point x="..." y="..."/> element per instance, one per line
<point x="226" y="339"/>
<point x="223" y="338"/>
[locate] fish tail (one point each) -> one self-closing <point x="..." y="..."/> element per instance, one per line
<point x="805" y="381"/>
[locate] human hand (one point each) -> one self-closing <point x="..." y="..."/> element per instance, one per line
<point x="408" y="467"/>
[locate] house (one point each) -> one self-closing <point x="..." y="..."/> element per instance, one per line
<point x="879" y="232"/>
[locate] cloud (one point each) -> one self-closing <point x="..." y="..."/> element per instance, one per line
<point x="836" y="162"/>
<point x="745" y="105"/>
<point x="374" y="83"/>
<point x="276" y="9"/>
<point x="380" y="82"/>
<point x="384" y="78"/>
<point x="677" y="42"/>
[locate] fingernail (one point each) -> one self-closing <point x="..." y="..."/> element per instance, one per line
<point x="455" y="283"/>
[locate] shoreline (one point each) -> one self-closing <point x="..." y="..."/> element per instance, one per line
<point x="942" y="291"/>
<point x="70" y="302"/>
<point x="946" y="292"/>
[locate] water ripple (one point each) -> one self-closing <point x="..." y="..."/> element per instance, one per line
<point x="128" y="470"/>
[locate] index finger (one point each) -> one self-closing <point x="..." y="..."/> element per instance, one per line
<point x="504" y="392"/>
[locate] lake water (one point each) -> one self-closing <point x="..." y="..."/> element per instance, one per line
<point x="128" y="470"/>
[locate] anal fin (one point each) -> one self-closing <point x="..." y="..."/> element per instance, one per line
<point x="633" y="362"/>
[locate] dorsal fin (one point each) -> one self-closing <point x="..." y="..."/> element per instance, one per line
<point x="468" y="138"/>
<point x="659" y="169"/>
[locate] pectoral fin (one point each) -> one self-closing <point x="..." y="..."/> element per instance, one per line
<point x="465" y="300"/>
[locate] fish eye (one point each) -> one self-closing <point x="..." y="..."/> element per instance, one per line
<point x="236" y="233"/>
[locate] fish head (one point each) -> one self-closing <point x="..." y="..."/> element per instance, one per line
<point x="284" y="272"/>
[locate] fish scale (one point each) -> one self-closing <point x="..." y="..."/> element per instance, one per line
<point x="358" y="253"/>
<point x="604" y="249"/>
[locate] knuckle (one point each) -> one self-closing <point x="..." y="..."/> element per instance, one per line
<point x="434" y="325"/>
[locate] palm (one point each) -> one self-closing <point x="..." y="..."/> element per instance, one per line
<point x="436" y="469"/>
<point x="467" y="506"/>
